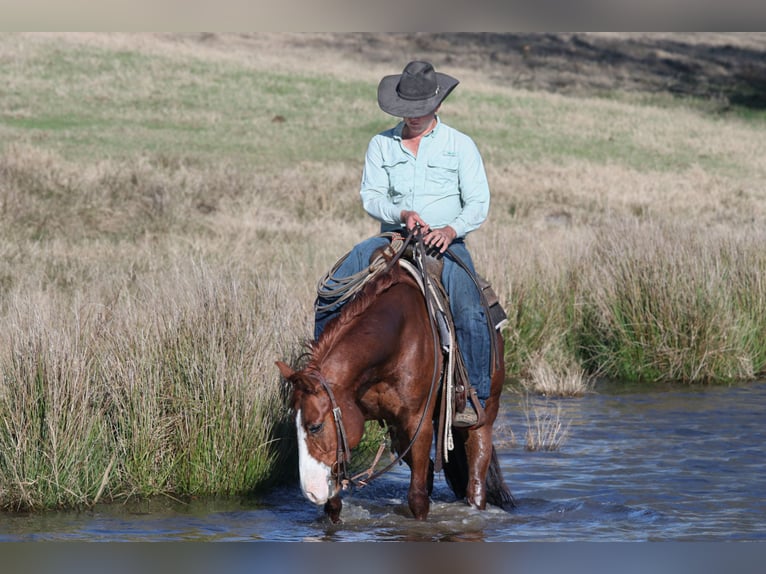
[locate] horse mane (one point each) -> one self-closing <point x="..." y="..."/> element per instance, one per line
<point x="353" y="309"/>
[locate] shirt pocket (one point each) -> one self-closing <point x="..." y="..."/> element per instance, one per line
<point x="443" y="171"/>
<point x="399" y="179"/>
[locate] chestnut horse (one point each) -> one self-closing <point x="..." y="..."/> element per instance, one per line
<point x="379" y="360"/>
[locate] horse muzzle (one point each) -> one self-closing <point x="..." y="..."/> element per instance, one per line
<point x="319" y="492"/>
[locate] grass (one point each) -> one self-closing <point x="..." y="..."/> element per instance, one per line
<point x="545" y="429"/>
<point x="672" y="311"/>
<point x="86" y="101"/>
<point x="543" y="379"/>
<point x="158" y="393"/>
<point x="161" y="236"/>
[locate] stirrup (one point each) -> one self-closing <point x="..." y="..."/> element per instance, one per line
<point x="467" y="418"/>
<point x="473" y="415"/>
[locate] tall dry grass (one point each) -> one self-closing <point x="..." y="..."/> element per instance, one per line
<point x="167" y="389"/>
<point x="546" y="431"/>
<point x="161" y="236"/>
<point x="138" y="341"/>
<point x="638" y="300"/>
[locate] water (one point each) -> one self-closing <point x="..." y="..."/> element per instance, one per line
<point x="668" y="465"/>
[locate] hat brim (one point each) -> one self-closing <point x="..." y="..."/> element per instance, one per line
<point x="390" y="102"/>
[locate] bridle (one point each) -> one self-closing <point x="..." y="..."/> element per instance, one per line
<point x="342" y="451"/>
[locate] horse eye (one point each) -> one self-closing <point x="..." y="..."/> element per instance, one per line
<point x="314" y="429"/>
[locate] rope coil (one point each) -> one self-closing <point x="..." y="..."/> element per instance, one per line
<point x="340" y="289"/>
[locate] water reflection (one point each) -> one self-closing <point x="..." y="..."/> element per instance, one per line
<point x="669" y="464"/>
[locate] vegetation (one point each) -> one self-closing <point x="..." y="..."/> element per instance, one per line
<point x="167" y="204"/>
<point x="545" y="429"/>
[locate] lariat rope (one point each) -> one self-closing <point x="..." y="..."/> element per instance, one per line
<point x="340" y="289"/>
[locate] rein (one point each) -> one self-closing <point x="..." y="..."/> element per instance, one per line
<point x="493" y="340"/>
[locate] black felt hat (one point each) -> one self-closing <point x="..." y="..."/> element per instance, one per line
<point x="416" y="92"/>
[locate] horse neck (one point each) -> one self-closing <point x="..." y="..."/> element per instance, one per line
<point x="349" y="347"/>
<point x="342" y="384"/>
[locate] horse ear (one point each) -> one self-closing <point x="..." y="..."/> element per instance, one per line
<point x="286" y="371"/>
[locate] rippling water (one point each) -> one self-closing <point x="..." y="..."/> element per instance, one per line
<point x="680" y="464"/>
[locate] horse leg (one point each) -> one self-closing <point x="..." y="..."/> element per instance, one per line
<point x="485" y="479"/>
<point x="332" y="508"/>
<point x="421" y="476"/>
<point x="479" y="453"/>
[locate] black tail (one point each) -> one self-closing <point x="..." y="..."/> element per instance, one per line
<point x="456" y="473"/>
<point x="498" y="493"/>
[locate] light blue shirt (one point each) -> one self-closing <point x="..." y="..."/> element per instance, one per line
<point x="446" y="183"/>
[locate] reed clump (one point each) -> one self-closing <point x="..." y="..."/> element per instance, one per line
<point x="638" y="301"/>
<point x="570" y="380"/>
<point x="670" y="308"/>
<point x="166" y="392"/>
<point x="659" y="304"/>
<point x="546" y="430"/>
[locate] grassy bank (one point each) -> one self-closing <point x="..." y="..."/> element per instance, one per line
<point x="168" y="202"/>
<point x="642" y="302"/>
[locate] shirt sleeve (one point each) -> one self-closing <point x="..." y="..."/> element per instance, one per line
<point x="374" y="188"/>
<point x="474" y="189"/>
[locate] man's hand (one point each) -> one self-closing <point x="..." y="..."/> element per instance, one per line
<point x="411" y="219"/>
<point x="440" y="239"/>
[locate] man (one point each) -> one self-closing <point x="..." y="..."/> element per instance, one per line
<point x="424" y="173"/>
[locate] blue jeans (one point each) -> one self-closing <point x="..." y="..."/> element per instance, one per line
<point x="471" y="330"/>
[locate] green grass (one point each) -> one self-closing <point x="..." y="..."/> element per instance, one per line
<point x="98" y="103"/>
<point x="90" y="103"/>
<point x="520" y="128"/>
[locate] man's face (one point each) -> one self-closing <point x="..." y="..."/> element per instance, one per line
<point x="419" y="125"/>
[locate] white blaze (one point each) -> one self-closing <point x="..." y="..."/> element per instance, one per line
<point x="315" y="475"/>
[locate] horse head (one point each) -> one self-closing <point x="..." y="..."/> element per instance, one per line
<point x="319" y="452"/>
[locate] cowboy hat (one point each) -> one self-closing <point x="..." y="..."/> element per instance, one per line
<point x="416" y="92"/>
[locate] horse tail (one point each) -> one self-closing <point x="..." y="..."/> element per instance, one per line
<point x="498" y="493"/>
<point x="456" y="474"/>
